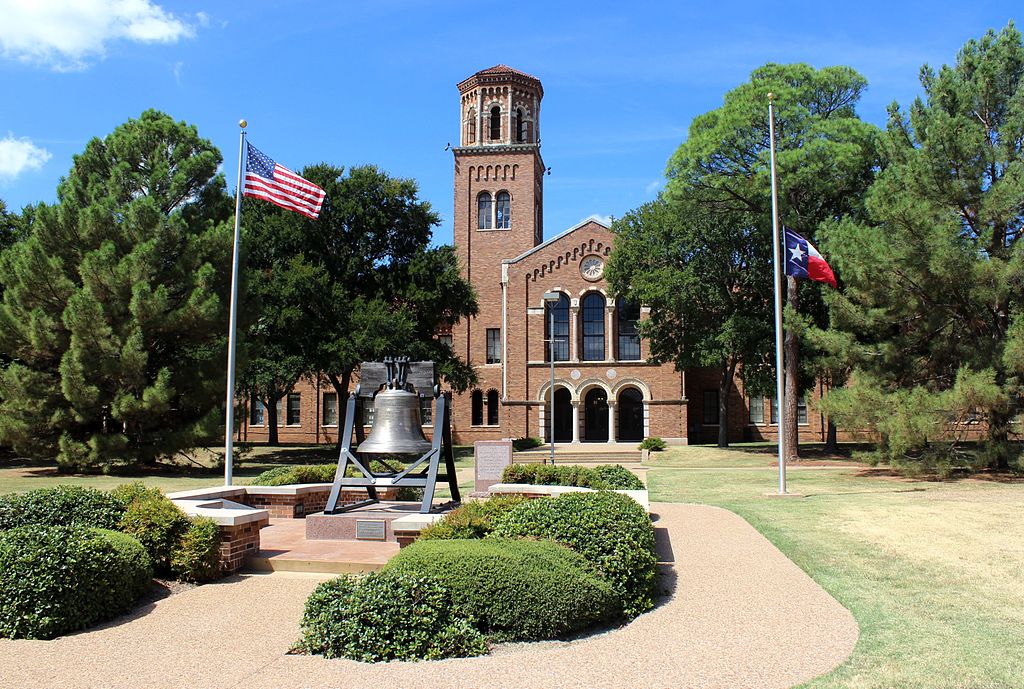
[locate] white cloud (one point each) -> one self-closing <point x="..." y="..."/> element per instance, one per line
<point x="176" y="71"/>
<point x="65" y="34"/>
<point x="654" y="187"/>
<point x="20" y="155"/>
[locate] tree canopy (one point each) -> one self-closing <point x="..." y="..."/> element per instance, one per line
<point x="114" y="310"/>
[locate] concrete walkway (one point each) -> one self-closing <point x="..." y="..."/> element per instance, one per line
<point x="740" y="615"/>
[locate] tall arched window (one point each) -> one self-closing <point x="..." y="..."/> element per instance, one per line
<point x="593" y="327"/>
<point x="629" y="336"/>
<point x="561" y="333"/>
<point x="503" y="212"/>
<point x="478" y="408"/>
<point x="483" y="211"/>
<point x="495" y="123"/>
<point x="471" y="134"/>
<point x="519" y="124"/>
<point x="492" y="407"/>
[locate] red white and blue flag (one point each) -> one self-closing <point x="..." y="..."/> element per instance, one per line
<point x="804" y="261"/>
<point x="265" y="179"/>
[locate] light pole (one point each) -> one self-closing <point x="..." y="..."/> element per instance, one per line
<point x="551" y="299"/>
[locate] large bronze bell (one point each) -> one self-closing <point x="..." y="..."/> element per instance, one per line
<point x="396" y="425"/>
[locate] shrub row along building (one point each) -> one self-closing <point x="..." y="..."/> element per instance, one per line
<point x="606" y="390"/>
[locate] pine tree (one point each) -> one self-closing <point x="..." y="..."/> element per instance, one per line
<point x="114" y="309"/>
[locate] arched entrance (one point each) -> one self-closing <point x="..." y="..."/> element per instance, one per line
<point x="595" y="423"/>
<point x="563" y="416"/>
<point x="631" y="415"/>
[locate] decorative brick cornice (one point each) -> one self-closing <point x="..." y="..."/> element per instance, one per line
<point x="501" y="74"/>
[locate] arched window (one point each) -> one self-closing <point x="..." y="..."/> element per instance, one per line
<point x="471" y="135"/>
<point x="561" y="334"/>
<point x="492" y="407"/>
<point x="519" y="125"/>
<point x="593" y="327"/>
<point x="495" y="123"/>
<point x="503" y="212"/>
<point x="483" y="211"/>
<point x="478" y="408"/>
<point x="629" y="336"/>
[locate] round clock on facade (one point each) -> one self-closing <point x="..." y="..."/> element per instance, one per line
<point x="592" y="268"/>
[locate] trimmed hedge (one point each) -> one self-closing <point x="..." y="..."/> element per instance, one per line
<point x="470" y="520"/>
<point x="306" y="473"/>
<point x="613" y="476"/>
<point x="528" y="443"/>
<point x="388" y="615"/>
<point x="653" y="443"/>
<point x="609" y="529"/>
<point x="56" y="579"/>
<point x="158" y="524"/>
<point x="196" y="555"/>
<point x="60" y="506"/>
<point x="516" y="590"/>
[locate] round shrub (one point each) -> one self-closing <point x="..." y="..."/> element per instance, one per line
<point x="653" y="443"/>
<point x="60" y="505"/>
<point x="196" y="556"/>
<point x="158" y="524"/>
<point x="618" y="477"/>
<point x="609" y="529"/>
<point x="127" y="493"/>
<point x="388" y="615"/>
<point x="516" y="589"/>
<point x="471" y="520"/>
<point x="56" y="579"/>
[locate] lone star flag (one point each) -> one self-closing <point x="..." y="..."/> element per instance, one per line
<point x="265" y="179"/>
<point x="804" y="261"/>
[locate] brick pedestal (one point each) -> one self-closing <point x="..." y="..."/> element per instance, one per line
<point x="238" y="541"/>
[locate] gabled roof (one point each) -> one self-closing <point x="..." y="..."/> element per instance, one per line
<point x="498" y="74"/>
<point x="556" y="238"/>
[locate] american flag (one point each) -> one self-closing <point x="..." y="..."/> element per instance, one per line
<point x="265" y="179"/>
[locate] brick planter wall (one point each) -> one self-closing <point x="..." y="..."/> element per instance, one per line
<point x="238" y="541"/>
<point x="283" y="506"/>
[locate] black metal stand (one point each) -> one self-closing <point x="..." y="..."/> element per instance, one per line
<point x="426" y="468"/>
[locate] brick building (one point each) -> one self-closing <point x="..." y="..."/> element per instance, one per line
<point x="605" y="390"/>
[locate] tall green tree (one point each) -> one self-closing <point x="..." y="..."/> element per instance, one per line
<point x="826" y="157"/>
<point x="359" y="283"/>
<point x="935" y="280"/>
<point x="113" y="312"/>
<point x="708" y="284"/>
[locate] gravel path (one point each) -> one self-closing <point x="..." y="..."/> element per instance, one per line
<point x="741" y="615"/>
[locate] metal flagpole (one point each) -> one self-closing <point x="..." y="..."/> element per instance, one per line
<point x="229" y="425"/>
<point x="777" y="276"/>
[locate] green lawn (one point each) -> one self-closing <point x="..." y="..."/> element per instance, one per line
<point x="932" y="571"/>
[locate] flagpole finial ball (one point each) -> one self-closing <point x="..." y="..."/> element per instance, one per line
<point x="242" y="123"/>
<point x="771" y="96"/>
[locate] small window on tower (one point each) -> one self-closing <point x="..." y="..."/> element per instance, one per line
<point x="495" y="123"/>
<point x="503" y="212"/>
<point x="483" y="211"/>
<point x="519" y="125"/>
<point x="471" y="128"/>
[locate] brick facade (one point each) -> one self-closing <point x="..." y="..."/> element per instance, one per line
<point x="608" y="396"/>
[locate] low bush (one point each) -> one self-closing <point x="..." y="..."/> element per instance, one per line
<point x="127" y="493"/>
<point x="309" y="473"/>
<point x="609" y="529"/>
<point x="515" y="589"/>
<point x="56" y="579"/>
<point x="60" y="506"/>
<point x="158" y="524"/>
<point x="470" y="520"/>
<point x="196" y="555"/>
<point x="653" y="443"/>
<point x="613" y="476"/>
<point x="520" y="444"/>
<point x="388" y="615"/>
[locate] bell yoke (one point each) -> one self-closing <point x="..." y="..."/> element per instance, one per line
<point x="397" y="436"/>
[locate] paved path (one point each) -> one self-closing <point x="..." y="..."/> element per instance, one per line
<point x="741" y="615"/>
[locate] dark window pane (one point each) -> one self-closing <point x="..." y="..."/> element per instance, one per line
<point x="256" y="413"/>
<point x="478" y="408"/>
<point x="503" y="211"/>
<point x="445" y="339"/>
<point x="426" y="411"/>
<point x="494" y="345"/>
<point x="593" y="327"/>
<point x="495" y="123"/>
<point x="711" y="407"/>
<point x="775" y="411"/>
<point x="280" y="411"/>
<point x="801" y="410"/>
<point x="294" y="409"/>
<point x="483" y="211"/>
<point x="629" y="337"/>
<point x="492" y="408"/>
<point x="757" y="410"/>
<point x="561" y="334"/>
<point x="330" y="409"/>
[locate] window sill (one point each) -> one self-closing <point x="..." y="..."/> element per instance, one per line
<point x="486" y="425"/>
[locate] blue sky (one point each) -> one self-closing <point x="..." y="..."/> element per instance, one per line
<point x="374" y="82"/>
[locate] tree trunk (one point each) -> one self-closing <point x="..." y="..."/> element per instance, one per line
<point x="998" y="439"/>
<point x="340" y="384"/>
<point x="831" y="440"/>
<point x="724" y="385"/>
<point x="792" y="366"/>
<point x="271" y="404"/>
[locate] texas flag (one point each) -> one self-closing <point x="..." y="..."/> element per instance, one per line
<point x="804" y="261"/>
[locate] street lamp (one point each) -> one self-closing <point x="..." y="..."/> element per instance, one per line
<point x="552" y="299"/>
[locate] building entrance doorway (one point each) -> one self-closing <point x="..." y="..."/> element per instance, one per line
<point x="631" y="415"/>
<point x="595" y="424"/>
<point x="563" y="416"/>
